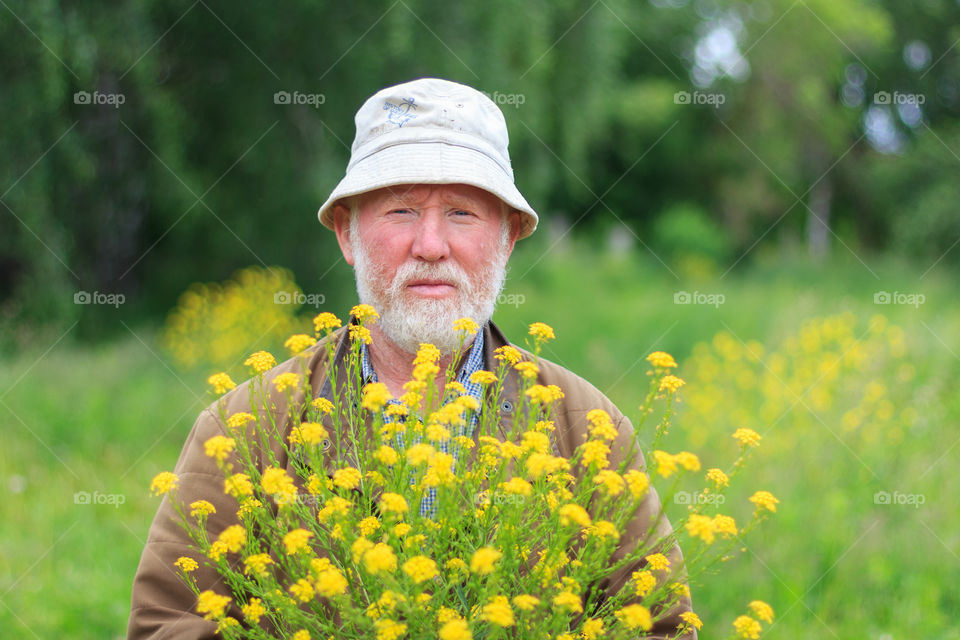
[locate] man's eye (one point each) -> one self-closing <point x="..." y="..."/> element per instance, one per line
<point x="400" y="211"/>
<point x="461" y="212"/>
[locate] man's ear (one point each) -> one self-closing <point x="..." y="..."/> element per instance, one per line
<point x="514" y="219"/>
<point x="341" y="226"/>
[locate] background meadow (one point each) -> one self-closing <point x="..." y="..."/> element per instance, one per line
<point x="767" y="191"/>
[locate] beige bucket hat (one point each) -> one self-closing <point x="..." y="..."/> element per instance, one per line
<point x="430" y="131"/>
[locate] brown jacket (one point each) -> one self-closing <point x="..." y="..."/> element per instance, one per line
<point x="163" y="607"/>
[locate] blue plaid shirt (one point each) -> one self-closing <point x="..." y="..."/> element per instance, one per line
<point x="473" y="363"/>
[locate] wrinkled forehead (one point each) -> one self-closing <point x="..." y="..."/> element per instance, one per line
<point x="457" y="195"/>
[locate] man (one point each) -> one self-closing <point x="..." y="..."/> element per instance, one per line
<point x="427" y="214"/>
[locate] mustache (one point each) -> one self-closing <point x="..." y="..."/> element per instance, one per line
<point x="446" y="271"/>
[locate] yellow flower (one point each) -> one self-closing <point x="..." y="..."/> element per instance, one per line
<point x="239" y="420"/>
<point x="724" y="525"/>
<point x="610" y="480"/>
<point x="594" y="452"/>
<point x="299" y="342"/>
<point x="393" y="503"/>
<point x="455" y="630"/>
<point x="330" y="582"/>
<point x="347" y="478"/>
<point x="661" y="360"/>
<point x="762" y="610"/>
<point x="387" y="455"/>
<point x="692" y="619"/>
<point x="764" y="500"/>
<point x="163" y="482"/>
<point x="186" y="564"/>
<point x="666" y="463"/>
<point x="718" y="478"/>
<point x="388" y="629"/>
<point x="635" y="615"/>
<point x="525" y="602"/>
<point x="359" y="333"/>
<point x="603" y="529"/>
<point x="592" y="628"/>
<point x="747" y="627"/>
<point x="253" y="610"/>
<point x="420" y="453"/>
<point x="517" y="486"/>
<point x="218" y="447"/>
<point x="671" y="383"/>
<point x="276" y="482"/>
<point x="201" y="508"/>
<point x="454" y="564"/>
<point x="380" y="558"/>
<point x="230" y="540"/>
<point x="658" y="562"/>
<point x="322" y="405"/>
<point x="482" y="377"/>
<point x="527" y="369"/>
<point x="296" y="541"/>
<point x="308" y="433"/>
<point x="221" y="383"/>
<point x="569" y="601"/>
<point x="248" y="506"/>
<point x="498" y="612"/>
<point x="375" y="395"/>
<point x="688" y="461"/>
<point x="466" y="325"/>
<point x="324" y="321"/>
<point x="574" y="513"/>
<point x="637" y="481"/>
<point x="601" y="425"/>
<point x="420" y="568"/>
<point x="286" y="381"/>
<point x="334" y="506"/>
<point x="363" y="311"/>
<point x="211" y="604"/>
<point x="484" y="559"/>
<point x="747" y="437"/>
<point x="238" y="485"/>
<point x="261" y="361"/>
<point x="535" y="441"/>
<point x="303" y="634"/>
<point x="541" y="332"/>
<point x="508" y="354"/>
<point x="368" y="525"/>
<point x="700" y="526"/>
<point x="302" y="590"/>
<point x="226" y="622"/>
<point x="257" y="564"/>
<point x="645" y="582"/>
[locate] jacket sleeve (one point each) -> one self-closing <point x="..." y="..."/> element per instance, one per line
<point x="162" y="606"/>
<point x="636" y="533"/>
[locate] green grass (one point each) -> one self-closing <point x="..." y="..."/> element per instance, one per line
<point x="108" y="418"/>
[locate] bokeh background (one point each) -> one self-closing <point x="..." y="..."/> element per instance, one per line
<point x="768" y="190"/>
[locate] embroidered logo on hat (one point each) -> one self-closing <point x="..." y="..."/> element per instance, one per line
<point x="400" y="114"/>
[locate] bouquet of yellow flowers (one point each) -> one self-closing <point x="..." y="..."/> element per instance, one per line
<point x="430" y="515"/>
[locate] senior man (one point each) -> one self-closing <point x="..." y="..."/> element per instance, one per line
<point x="427" y="214"/>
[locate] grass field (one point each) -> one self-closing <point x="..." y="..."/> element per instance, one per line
<point x="853" y="399"/>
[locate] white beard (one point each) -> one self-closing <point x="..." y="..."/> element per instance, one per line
<point x="409" y="320"/>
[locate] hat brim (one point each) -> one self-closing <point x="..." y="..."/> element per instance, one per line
<point x="430" y="163"/>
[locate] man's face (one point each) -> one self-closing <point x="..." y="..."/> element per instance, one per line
<point x="426" y="255"/>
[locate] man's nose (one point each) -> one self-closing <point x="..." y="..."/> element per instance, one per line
<point x="430" y="242"/>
